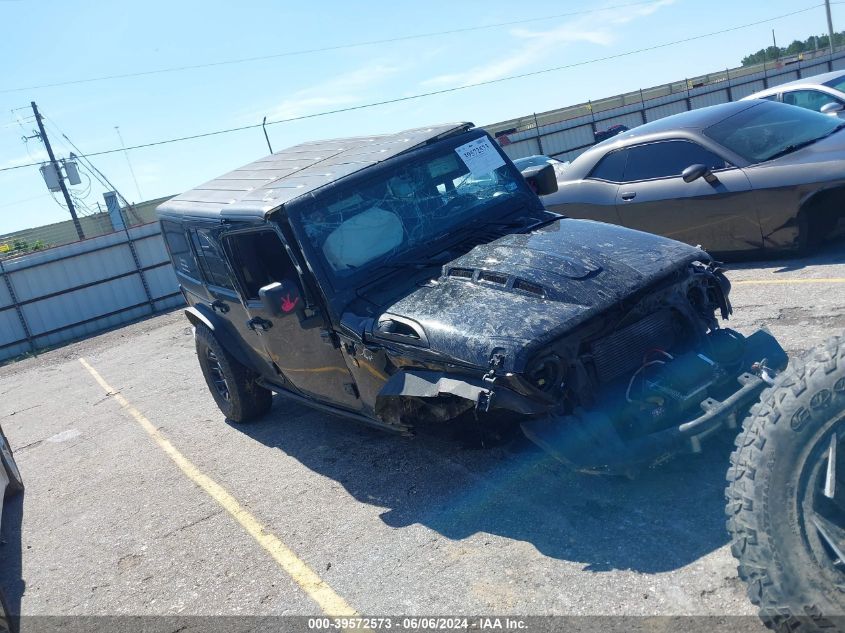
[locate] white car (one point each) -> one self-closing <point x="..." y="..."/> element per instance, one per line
<point x="823" y="93"/>
<point x="10" y="484"/>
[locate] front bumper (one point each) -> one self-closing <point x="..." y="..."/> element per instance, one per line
<point x="590" y="441"/>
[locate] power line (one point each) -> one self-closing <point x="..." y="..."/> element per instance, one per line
<point x="435" y="92"/>
<point x="322" y="49"/>
<point x="14" y="202"/>
<point x="129" y="162"/>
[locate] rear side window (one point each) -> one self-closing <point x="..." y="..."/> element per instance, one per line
<point x="611" y="167"/>
<point x="837" y="84"/>
<point x="666" y="159"/>
<point x="211" y="260"/>
<point x="180" y="250"/>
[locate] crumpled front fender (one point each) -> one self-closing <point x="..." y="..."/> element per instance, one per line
<point x="432" y="385"/>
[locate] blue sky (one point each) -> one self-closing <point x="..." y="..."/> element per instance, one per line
<point x="50" y="41"/>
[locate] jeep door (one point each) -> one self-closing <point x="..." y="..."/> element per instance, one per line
<point x="303" y="350"/>
<point x="206" y="282"/>
<point x="223" y="298"/>
<point x="720" y="215"/>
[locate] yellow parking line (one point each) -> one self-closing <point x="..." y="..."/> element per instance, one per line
<point x="786" y="282"/>
<point x="317" y="589"/>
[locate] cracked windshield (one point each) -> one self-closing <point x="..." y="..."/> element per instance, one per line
<point x="417" y="203"/>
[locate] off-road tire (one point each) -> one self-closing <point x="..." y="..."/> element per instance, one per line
<point x="7" y="462"/>
<point x="794" y="589"/>
<point x="247" y="399"/>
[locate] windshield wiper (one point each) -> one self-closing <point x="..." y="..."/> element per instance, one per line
<point x="789" y="149"/>
<point x="434" y="260"/>
<point x="796" y="146"/>
<point x="833" y="131"/>
<point x="412" y="263"/>
<point x="540" y="223"/>
<point x="529" y="226"/>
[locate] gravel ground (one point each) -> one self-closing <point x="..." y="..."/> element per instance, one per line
<point x="110" y="526"/>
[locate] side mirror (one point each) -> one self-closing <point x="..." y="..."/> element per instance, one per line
<point x="694" y="172"/>
<point x="541" y="179"/>
<point x="833" y="108"/>
<point x="282" y="299"/>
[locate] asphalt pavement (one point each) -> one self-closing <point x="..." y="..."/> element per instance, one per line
<point x="142" y="500"/>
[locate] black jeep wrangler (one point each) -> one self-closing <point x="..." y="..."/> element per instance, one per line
<point x="417" y="277"/>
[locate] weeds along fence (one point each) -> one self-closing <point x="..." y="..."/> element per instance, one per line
<point x="567" y="132"/>
<point x="60" y="294"/>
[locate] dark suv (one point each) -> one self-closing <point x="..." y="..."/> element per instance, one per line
<point x="417" y="277"/>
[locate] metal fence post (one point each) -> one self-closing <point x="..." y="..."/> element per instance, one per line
<point x="114" y="206"/>
<point x="537" y="130"/>
<point x="18" y="309"/>
<point x="728" y="77"/>
<point x="642" y="107"/>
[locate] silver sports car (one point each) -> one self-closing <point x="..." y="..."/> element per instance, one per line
<point x="742" y="176"/>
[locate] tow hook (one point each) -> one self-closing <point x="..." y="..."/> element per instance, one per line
<point x="764" y="372"/>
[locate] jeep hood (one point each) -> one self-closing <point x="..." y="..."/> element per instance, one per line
<point x="524" y="290"/>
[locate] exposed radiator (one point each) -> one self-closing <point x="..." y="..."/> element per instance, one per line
<point x="622" y="352"/>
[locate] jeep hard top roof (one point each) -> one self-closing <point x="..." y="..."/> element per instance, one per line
<point x="262" y="187"/>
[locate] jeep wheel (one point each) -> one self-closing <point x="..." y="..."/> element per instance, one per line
<point x="7" y="461"/>
<point x="233" y="386"/>
<point x="786" y="494"/>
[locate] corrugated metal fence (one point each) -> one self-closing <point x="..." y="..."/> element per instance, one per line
<point x="61" y="294"/>
<point x="567" y="132"/>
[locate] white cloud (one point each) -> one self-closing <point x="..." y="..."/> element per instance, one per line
<point x="148" y="173"/>
<point x="534" y="46"/>
<point x="25" y="159"/>
<point x="632" y="13"/>
<point x="342" y="90"/>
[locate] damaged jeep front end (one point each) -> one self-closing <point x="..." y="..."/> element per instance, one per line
<point x="669" y="404"/>
<point x="648" y="377"/>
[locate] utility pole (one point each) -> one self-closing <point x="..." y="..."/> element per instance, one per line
<point x="62" y="185"/>
<point x="775" y="44"/>
<point x="829" y="25"/>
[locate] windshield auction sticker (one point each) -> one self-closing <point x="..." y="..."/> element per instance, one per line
<point x="480" y="156"/>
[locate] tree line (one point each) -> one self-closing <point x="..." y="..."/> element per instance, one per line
<point x="812" y="43"/>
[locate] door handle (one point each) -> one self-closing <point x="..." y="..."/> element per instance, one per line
<point x="220" y="306"/>
<point x="628" y="195"/>
<point x="257" y="323"/>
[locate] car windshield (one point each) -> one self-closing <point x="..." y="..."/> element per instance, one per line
<point x="416" y="204"/>
<point x="768" y="130"/>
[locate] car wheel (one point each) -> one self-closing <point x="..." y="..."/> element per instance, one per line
<point x="8" y="463"/>
<point x="234" y="387"/>
<point x="815" y="224"/>
<point x="807" y="240"/>
<point x="786" y="494"/>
